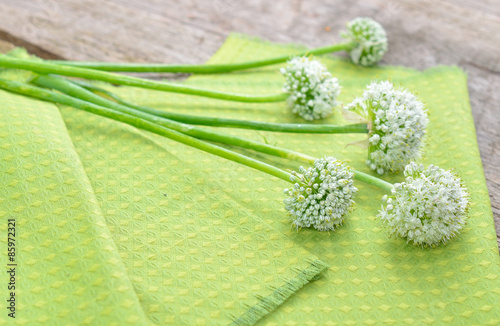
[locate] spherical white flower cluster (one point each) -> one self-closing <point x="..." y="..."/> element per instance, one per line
<point x="398" y="121"/>
<point x="428" y="208"/>
<point x="370" y="39"/>
<point x="322" y="194"/>
<point x="313" y="90"/>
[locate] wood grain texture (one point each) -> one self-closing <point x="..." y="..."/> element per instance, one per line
<point x="422" y="34"/>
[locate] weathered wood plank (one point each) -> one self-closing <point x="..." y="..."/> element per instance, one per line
<point x="422" y="34"/>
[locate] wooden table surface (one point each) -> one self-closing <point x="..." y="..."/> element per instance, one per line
<point x="421" y="34"/>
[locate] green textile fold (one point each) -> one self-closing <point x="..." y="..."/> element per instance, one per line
<point x="372" y="279"/>
<point x="68" y="269"/>
<point x="196" y="240"/>
<point x="177" y="250"/>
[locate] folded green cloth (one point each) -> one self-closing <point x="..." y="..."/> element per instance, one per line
<point x="116" y="226"/>
<point x="374" y="279"/>
<point x="119" y="225"/>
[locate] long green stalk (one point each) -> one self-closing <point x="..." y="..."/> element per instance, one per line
<point x="78" y="92"/>
<point x="46" y="95"/>
<point x="371" y="180"/>
<point x="74" y="90"/>
<point x="199" y="69"/>
<point x="233" y="123"/>
<point x="43" y="67"/>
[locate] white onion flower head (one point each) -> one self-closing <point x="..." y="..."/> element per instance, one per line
<point x="322" y="195"/>
<point x="427" y="209"/>
<point x="398" y="121"/>
<point x="313" y="90"/>
<point x="370" y="39"/>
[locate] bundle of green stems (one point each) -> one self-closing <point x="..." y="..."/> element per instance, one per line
<point x="72" y="94"/>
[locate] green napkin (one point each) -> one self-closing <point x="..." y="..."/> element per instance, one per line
<point x="372" y="279"/>
<point x="116" y="226"/>
<point x="68" y="269"/>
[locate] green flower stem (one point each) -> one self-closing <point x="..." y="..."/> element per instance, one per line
<point x="234" y="123"/>
<point x="51" y="68"/>
<point x="200" y="69"/>
<point x="46" y="95"/>
<point x="374" y="181"/>
<point x="140" y="123"/>
<point x="78" y="92"/>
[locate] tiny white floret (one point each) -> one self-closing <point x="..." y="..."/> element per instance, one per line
<point x="322" y="195"/>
